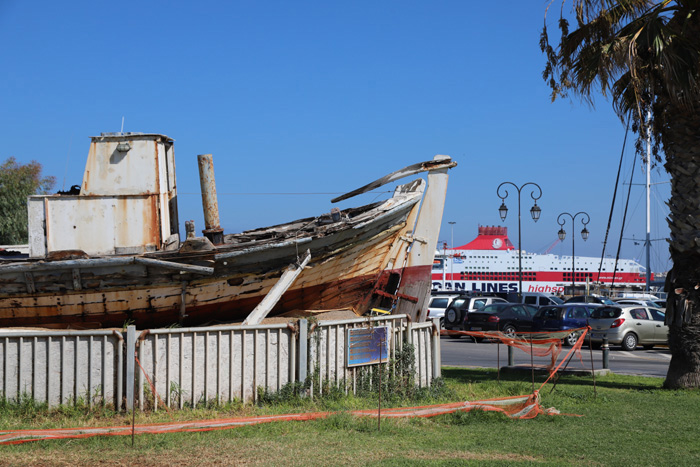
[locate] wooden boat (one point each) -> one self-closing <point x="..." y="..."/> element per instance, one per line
<point x="109" y="252"/>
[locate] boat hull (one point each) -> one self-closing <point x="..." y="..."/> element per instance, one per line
<point x="351" y="267"/>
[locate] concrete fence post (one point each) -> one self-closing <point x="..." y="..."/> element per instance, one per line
<point x="130" y="366"/>
<point x="303" y="350"/>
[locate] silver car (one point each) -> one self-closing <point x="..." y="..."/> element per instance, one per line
<point x="628" y="326"/>
<point x="438" y="304"/>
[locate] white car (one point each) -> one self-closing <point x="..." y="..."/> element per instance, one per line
<point x="636" y="301"/>
<point x="438" y="304"/>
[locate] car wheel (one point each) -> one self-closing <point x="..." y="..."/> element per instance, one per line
<point x="571" y="339"/>
<point x="629" y="342"/>
<point x="453" y="317"/>
<point x="509" y="330"/>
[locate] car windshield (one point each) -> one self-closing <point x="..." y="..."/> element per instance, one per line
<point x="556" y="299"/>
<point x="493" y="308"/>
<point x="439" y="303"/>
<point x="606" y="312"/>
<point x="548" y="312"/>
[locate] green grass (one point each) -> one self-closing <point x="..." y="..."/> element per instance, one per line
<point x="631" y="421"/>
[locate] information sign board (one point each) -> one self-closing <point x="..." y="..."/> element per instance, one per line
<point x="367" y="346"/>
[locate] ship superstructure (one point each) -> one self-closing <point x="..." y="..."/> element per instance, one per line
<point x="489" y="263"/>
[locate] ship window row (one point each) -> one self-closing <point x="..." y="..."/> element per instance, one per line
<point x="494" y="275"/>
<point x="578" y="275"/>
<point x="493" y="257"/>
<point x="578" y="269"/>
<point x="515" y="268"/>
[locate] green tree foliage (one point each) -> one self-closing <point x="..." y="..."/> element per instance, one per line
<point x="17" y="182"/>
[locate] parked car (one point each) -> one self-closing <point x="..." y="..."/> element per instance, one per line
<point x="439" y="302"/>
<point x="661" y="304"/>
<point x="628" y="326"/>
<point x="535" y="298"/>
<point x="464" y="304"/>
<point x="590" y="299"/>
<point x="509" y="318"/>
<point x="636" y="301"/>
<point x="564" y="317"/>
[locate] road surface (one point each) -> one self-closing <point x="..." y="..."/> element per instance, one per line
<point x="466" y="353"/>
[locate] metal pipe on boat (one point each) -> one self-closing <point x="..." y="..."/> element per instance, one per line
<point x="212" y="228"/>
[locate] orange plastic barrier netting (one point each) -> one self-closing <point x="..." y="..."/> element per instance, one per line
<point x="540" y="344"/>
<point x="521" y="407"/>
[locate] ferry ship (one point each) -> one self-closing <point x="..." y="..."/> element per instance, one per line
<point x="489" y="263"/>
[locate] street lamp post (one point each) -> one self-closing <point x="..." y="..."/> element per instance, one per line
<point x="535" y="212"/>
<point x="562" y="236"/>
<point x="452" y="260"/>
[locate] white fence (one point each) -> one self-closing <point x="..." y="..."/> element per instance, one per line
<point x="190" y="366"/>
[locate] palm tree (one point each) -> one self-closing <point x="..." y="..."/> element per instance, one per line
<point x="645" y="55"/>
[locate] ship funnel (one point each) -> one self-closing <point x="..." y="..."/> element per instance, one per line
<point x="210" y="205"/>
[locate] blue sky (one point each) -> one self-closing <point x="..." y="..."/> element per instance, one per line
<point x="318" y="98"/>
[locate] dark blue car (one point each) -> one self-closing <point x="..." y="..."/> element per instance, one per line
<point x="562" y="318"/>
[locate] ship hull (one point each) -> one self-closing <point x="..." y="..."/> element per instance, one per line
<point x="350" y="262"/>
<point x="110" y="254"/>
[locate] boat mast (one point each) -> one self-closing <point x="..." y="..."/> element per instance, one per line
<point x="648" y="188"/>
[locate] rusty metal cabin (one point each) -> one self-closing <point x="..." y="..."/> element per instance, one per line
<point x="127" y="202"/>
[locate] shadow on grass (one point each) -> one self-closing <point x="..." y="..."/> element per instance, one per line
<point x="474" y="375"/>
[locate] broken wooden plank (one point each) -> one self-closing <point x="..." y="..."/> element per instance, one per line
<point x="276" y="292"/>
<point x="440" y="162"/>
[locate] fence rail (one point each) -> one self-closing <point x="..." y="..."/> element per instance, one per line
<point x="189" y="366"/>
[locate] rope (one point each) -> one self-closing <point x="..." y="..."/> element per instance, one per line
<point x="624" y="220"/>
<point x="156" y="397"/>
<point x="612" y="207"/>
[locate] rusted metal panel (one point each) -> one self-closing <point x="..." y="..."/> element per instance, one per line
<point x="126" y="205"/>
<point x="97" y="225"/>
<point x="136" y="171"/>
<point x="37" y="221"/>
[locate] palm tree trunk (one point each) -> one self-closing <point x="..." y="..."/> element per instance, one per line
<point x="681" y="142"/>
